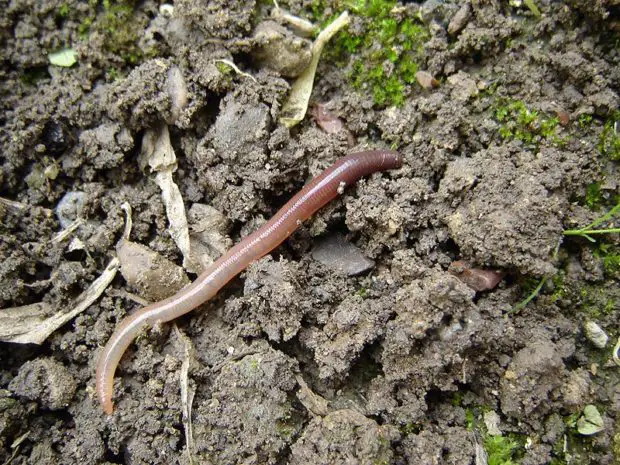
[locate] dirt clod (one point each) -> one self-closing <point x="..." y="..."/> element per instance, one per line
<point x="353" y="341"/>
<point x="45" y="381"/>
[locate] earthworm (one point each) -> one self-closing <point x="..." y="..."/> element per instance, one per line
<point x="314" y="195"/>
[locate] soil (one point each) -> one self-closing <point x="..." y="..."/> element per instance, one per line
<point x="352" y="342"/>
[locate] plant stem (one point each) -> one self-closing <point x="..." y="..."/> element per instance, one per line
<point x="578" y="232"/>
<point x="529" y="298"/>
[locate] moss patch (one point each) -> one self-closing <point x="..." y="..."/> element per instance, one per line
<point x="386" y="52"/>
<point x="502" y="450"/>
<point x="120" y="25"/>
<point x="521" y="123"/>
<point x="609" y="144"/>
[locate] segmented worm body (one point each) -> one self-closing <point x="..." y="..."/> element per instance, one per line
<point x="318" y="192"/>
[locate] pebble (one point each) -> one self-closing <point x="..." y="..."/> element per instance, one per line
<point x="337" y="253"/>
<point x="153" y="276"/>
<point x="460" y="19"/>
<point x="70" y="207"/>
<point x="595" y="334"/>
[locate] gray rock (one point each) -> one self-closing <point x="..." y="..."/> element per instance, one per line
<point x="337" y="253"/>
<point x="460" y="19"/>
<point x="70" y="207"/>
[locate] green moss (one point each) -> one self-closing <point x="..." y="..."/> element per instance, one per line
<point x="470" y="419"/>
<point x="410" y="428"/>
<point x="385" y="52"/>
<point x="457" y="399"/>
<point x="529" y="126"/>
<point x="254" y="364"/>
<point x="584" y="121"/>
<point x="610" y="255"/>
<point x="609" y="144"/>
<point x="120" y="26"/>
<point x="121" y="31"/>
<point x="559" y="288"/>
<point x="63" y="11"/>
<point x="502" y="450"/>
<point x="317" y="9"/>
<point x="84" y="27"/>
<point x="594" y="197"/>
<point x="594" y="301"/>
<point x="285" y="430"/>
<point x="112" y="74"/>
<point x="223" y="68"/>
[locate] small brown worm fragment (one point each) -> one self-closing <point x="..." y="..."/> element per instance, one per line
<point x="314" y="195"/>
<point x="330" y="123"/>
<point x="476" y="278"/>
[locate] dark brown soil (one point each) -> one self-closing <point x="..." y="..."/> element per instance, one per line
<point x="353" y="343"/>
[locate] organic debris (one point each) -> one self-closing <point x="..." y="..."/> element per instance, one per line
<point x="590" y="422"/>
<point x="295" y="108"/>
<point x="330" y="123"/>
<point x="236" y="69"/>
<point x="64" y="58"/>
<point x="177" y="91"/>
<point x="187" y="393"/>
<point x="158" y="153"/>
<point x="477" y="279"/>
<point x="31" y="324"/>
<point x="300" y="26"/>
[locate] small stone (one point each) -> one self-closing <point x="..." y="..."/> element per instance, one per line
<point x="70" y="207"/>
<point x="153" y="276"/>
<point x="563" y="117"/>
<point x="460" y="19"/>
<point x="56" y="136"/>
<point x="337" y="253"/>
<point x="477" y="279"/>
<point x="464" y="86"/>
<point x="426" y="80"/>
<point x="595" y="334"/>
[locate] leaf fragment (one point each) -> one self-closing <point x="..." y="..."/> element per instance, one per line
<point x="295" y="108"/>
<point x="590" y="422"/>
<point x="158" y="153"/>
<point x="32" y="324"/>
<point x="65" y="57"/>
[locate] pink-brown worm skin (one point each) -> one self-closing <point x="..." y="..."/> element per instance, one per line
<point x="314" y="195"/>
